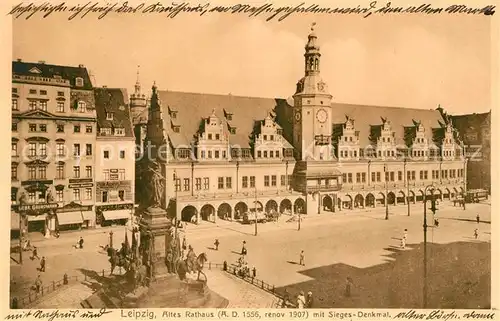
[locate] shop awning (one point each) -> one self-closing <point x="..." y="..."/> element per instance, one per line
<point x="14" y="220"/>
<point x="70" y="218"/>
<point x="88" y="215"/>
<point x="33" y="218"/>
<point x="116" y="215"/>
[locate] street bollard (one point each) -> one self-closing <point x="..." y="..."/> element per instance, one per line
<point x="262" y="284"/>
<point x="54" y="285"/>
<point x="102" y="272"/>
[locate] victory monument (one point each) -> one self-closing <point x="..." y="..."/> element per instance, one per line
<point x="156" y="275"/>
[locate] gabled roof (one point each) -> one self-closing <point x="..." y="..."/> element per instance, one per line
<point x="113" y="100"/>
<point x="193" y="108"/>
<point x="49" y="71"/>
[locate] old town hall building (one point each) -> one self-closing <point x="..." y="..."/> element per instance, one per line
<point x="227" y="155"/>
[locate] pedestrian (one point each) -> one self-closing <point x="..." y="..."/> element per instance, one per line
<point x="301" y="300"/>
<point x="169" y="259"/>
<point x="244" y="249"/>
<point x="286" y="298"/>
<point x="405" y="234"/>
<point x="348" y="286"/>
<point x="184" y="243"/>
<point x="254" y="272"/>
<point x="80" y="242"/>
<point x="476" y="233"/>
<point x="42" y="264"/>
<point x="216" y="243"/>
<point x="301" y="261"/>
<point x="38" y="284"/>
<point x="478" y="219"/>
<point x="35" y="253"/>
<point x="403" y="243"/>
<point x="309" y="300"/>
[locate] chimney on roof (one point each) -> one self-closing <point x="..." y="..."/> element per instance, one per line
<point x="41" y="62"/>
<point x="104" y="86"/>
<point x="19" y="60"/>
<point x="81" y="66"/>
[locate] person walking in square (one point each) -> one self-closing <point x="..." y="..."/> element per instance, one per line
<point x="184" y="243"/>
<point x="403" y="243"/>
<point x="80" y="242"/>
<point x="42" y="264"/>
<point x="216" y="244"/>
<point x="301" y="300"/>
<point x="476" y="233"/>
<point x="38" y="284"/>
<point x="478" y="219"/>
<point x="348" y="286"/>
<point x="405" y="235"/>
<point x="301" y="259"/>
<point x="35" y="253"/>
<point x="309" y="300"/>
<point x="244" y="249"/>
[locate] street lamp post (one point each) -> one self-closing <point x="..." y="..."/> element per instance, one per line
<point x="407" y="187"/>
<point x="425" y="243"/>
<point x="255" y="210"/>
<point x="464" y="177"/>
<point x="176" y="201"/>
<point x="21" y="237"/>
<point x="386" y="195"/>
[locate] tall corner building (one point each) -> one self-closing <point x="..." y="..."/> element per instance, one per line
<point x="53" y="146"/>
<point x="227" y="155"/>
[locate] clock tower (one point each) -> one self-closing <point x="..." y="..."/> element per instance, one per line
<point x="312" y="121"/>
<point x="316" y="172"/>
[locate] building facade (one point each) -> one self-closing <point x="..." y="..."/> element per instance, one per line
<point x="115" y="158"/>
<point x="53" y="144"/>
<point x="475" y="132"/>
<point x="227" y="155"/>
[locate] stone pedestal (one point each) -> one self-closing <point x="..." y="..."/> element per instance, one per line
<point x="154" y="228"/>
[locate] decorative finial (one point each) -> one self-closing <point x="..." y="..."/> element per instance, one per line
<point x="312" y="26"/>
<point x="138" y="67"/>
<point x="213" y="111"/>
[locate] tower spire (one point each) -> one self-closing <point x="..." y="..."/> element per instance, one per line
<point x="137" y="82"/>
<point x="312" y="54"/>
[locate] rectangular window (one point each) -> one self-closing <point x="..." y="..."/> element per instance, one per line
<point x="88" y="171"/>
<point x="32" y="127"/>
<point x="42" y="172"/>
<point x="358" y="177"/>
<point x="76" y="194"/>
<point x="13" y="127"/>
<point x="344" y="178"/>
<point x="386" y="176"/>
<point x="259" y="154"/>
<point x="60" y="107"/>
<point x="198" y="184"/>
<point x="202" y="154"/>
<point x="400" y="175"/>
<point x="122" y="154"/>
<point x="121" y="195"/>
<point x="349" y="178"/>
<point x="76" y="128"/>
<point x="252" y="181"/>
<point x="408" y="175"/>
<point x="413" y="175"/>
<point x="244" y="182"/>
<point x="273" y="180"/>
<point x="76" y="149"/>
<point x="265" y="154"/>
<point x="32" y="149"/>
<point x="32" y="172"/>
<point x="60" y="128"/>
<point x="76" y="171"/>
<point x="220" y="183"/>
<point x="392" y="176"/>
<point x="43" y="128"/>
<point x="88" y="129"/>
<point x="88" y="149"/>
<point x="206" y="183"/>
<point x="271" y="154"/>
<point x="14" y="104"/>
<point x="60" y="149"/>
<point x="59" y="196"/>
<point x="60" y="171"/>
<point x="32" y="105"/>
<point x="378" y="176"/>
<point x="104" y="196"/>
<point x="106" y="154"/>
<point x="109" y="116"/>
<point x="277" y="154"/>
<point x="363" y="177"/>
<point x="373" y="176"/>
<point x="121" y="174"/>
<point x="266" y="180"/>
<point x="88" y="193"/>
<point x="178" y="185"/>
<point x="217" y="136"/>
<point x="13" y="149"/>
<point x="283" y="180"/>
<point x="426" y="174"/>
<point x="42" y="148"/>
<point x="209" y="154"/>
<point x="13" y="172"/>
<point x="216" y="154"/>
<point x="228" y="182"/>
<point x="186" y="184"/>
<point x="43" y="105"/>
<point x="421" y="175"/>
<point x="209" y="136"/>
<point x="224" y="154"/>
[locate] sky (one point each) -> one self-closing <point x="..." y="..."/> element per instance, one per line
<point x="405" y="61"/>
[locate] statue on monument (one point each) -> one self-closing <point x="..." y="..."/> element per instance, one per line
<point x="156" y="185"/>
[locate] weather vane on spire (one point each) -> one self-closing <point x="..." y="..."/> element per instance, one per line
<point x="312" y="26"/>
<point x="138" y="67"/>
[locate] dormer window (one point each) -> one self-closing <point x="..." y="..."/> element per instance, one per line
<point x="229" y="116"/>
<point x="109" y="116"/>
<point x="79" y="82"/>
<point x="217" y="136"/>
<point x="174" y="115"/>
<point x="176" y="129"/>
<point x="105" y="131"/>
<point x="119" y="132"/>
<point x="82" y="106"/>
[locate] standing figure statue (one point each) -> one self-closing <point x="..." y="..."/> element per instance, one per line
<point x="156" y="185"/>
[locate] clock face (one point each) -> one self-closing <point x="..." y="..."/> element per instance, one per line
<point x="297" y="116"/>
<point x="321" y="115"/>
<point x="321" y="86"/>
